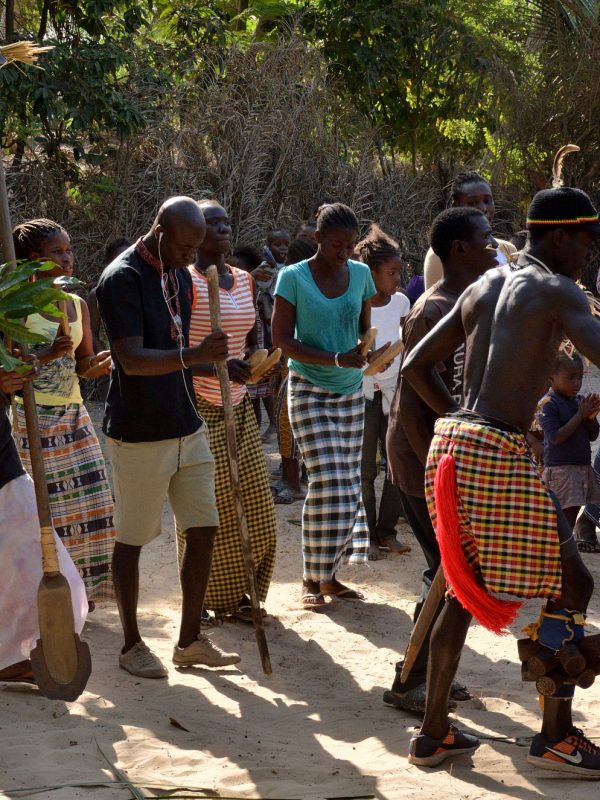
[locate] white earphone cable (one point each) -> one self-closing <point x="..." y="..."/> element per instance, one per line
<point x="176" y="320"/>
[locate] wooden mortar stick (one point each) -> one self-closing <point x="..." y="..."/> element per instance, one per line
<point x="367" y="341"/>
<point x="214" y="302"/>
<point x="257" y="357"/>
<point x="98" y="368"/>
<point x="264" y="366"/>
<point x="388" y="355"/>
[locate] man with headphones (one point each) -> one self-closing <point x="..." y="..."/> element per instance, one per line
<point x="155" y="437"/>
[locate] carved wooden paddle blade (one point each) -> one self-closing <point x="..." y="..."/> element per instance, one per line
<point x="61" y="662"/>
<point x="53" y="689"/>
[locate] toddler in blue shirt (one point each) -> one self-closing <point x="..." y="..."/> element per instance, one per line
<point x="569" y="422"/>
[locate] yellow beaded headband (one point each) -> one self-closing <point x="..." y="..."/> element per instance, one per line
<point x="573" y="221"/>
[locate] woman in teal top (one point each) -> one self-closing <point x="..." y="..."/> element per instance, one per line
<point x="321" y="308"/>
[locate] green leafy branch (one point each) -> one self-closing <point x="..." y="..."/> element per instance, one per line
<point x="21" y="296"/>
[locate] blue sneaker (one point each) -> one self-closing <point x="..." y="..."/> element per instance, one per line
<point x="425" y="751"/>
<point x="574" y="754"/>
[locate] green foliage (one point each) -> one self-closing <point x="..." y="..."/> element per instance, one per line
<point x="20" y="297"/>
<point x="431" y="85"/>
<point x="424" y="72"/>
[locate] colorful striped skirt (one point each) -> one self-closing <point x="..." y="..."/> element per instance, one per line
<point x="285" y="438"/>
<point x="81" y="500"/>
<point x="508" y="521"/>
<point x="228" y="583"/>
<point x="329" y="431"/>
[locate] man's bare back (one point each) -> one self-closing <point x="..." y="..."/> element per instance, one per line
<point x="514" y="321"/>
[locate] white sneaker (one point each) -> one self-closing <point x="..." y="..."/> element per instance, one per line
<point x="141" y="661"/>
<point x="205" y="653"/>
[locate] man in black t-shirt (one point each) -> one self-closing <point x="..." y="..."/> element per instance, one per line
<point x="156" y="439"/>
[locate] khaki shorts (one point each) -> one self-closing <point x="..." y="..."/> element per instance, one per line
<point x="145" y="474"/>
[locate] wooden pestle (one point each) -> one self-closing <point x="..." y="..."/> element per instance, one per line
<point x="571" y="659"/>
<point x="548" y="685"/>
<point x="539" y="659"/>
<point x="589" y="647"/>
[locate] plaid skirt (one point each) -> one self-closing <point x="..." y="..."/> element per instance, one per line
<point x="228" y="583"/>
<point x="329" y="431"/>
<point x="81" y="500"/>
<point x="507" y="518"/>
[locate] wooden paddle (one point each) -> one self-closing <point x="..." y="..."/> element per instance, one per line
<point x="64" y="282"/>
<point x="423" y="623"/>
<point x="388" y="355"/>
<point x="212" y="278"/>
<point x="60" y="661"/>
<point x="257" y="357"/>
<point x="264" y="366"/>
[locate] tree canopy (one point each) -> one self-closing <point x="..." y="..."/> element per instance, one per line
<point x="403" y="88"/>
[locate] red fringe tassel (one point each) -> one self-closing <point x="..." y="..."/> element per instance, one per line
<point x="489" y="611"/>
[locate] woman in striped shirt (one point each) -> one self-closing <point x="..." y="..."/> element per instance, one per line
<point x="227" y="591"/>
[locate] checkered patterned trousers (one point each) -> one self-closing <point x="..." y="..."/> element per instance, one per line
<point x="507" y="518"/>
<point x="228" y="582"/>
<point x="329" y="430"/>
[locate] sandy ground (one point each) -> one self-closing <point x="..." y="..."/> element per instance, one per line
<point x="315" y="729"/>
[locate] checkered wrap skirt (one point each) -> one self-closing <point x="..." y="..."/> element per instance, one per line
<point x="329" y="430"/>
<point x="507" y="519"/>
<point x="228" y="582"/>
<point x="81" y="501"/>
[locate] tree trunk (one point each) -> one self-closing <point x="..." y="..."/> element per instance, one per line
<point x="43" y="20"/>
<point x="9" y="20"/>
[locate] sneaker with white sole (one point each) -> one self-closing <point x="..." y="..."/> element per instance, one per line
<point x="203" y="652"/>
<point x="140" y="661"/>
<point x="575" y="754"/>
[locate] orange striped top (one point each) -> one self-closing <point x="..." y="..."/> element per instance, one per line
<point x="238" y="315"/>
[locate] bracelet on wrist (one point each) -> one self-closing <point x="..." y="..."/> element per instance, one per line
<point x="336" y="359"/>
<point x="183" y="364"/>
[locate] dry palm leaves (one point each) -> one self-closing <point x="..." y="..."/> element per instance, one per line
<point x="22" y="52"/>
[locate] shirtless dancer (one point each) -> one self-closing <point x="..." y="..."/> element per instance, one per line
<point x="499" y="531"/>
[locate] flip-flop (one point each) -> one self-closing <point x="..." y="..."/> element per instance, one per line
<point x="208" y="620"/>
<point x="244" y="614"/>
<point x="312" y="600"/>
<point x="346" y="594"/>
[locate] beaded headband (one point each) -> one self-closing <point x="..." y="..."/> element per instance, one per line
<point x="572" y="221"/>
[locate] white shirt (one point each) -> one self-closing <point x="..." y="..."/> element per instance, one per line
<point x="387" y="321"/>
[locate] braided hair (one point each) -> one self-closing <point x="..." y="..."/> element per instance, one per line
<point x="462" y="179"/>
<point x="377" y="247"/>
<point x="29" y="236"/>
<point x="336" y="216"/>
